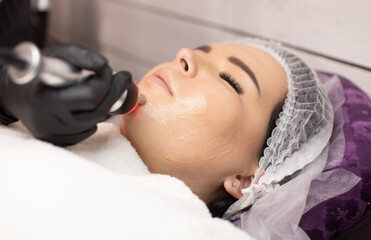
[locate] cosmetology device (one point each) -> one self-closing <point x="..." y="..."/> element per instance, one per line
<point x="26" y="63"/>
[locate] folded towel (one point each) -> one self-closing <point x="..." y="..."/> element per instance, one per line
<point x="98" y="189"/>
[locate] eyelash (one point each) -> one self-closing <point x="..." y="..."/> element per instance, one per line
<point x="233" y="82"/>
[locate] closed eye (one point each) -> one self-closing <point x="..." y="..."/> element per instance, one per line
<point x="233" y="82"/>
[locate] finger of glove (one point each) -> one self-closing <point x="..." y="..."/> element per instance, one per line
<point x="71" y="139"/>
<point x="83" y="119"/>
<point x="78" y="56"/>
<point x="59" y="124"/>
<point x="120" y="82"/>
<point x="88" y="95"/>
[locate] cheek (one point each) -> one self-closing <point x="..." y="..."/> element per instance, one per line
<point x="178" y="111"/>
<point x="209" y="135"/>
<point x="197" y="128"/>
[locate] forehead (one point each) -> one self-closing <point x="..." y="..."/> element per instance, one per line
<point x="245" y="52"/>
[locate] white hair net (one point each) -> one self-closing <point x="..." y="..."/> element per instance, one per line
<point x="297" y="149"/>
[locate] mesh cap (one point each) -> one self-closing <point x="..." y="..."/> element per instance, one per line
<point x="302" y="130"/>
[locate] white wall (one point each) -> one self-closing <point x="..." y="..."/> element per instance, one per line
<point x="137" y="34"/>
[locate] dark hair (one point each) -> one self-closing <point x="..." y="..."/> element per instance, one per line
<point x="220" y="204"/>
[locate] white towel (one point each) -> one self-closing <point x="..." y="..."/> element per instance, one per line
<point x="98" y="189"/>
<point x="110" y="149"/>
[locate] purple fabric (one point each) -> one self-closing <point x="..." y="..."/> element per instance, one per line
<point x="341" y="212"/>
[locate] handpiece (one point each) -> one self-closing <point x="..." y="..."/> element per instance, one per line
<point x="25" y="63"/>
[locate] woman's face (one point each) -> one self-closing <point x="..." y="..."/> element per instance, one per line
<point x="206" y="115"/>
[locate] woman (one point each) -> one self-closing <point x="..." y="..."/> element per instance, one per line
<point x="209" y="115"/>
<point x="210" y="121"/>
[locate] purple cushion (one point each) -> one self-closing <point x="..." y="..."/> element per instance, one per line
<point x="342" y="212"/>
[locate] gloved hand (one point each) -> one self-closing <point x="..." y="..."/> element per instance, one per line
<point x="64" y="116"/>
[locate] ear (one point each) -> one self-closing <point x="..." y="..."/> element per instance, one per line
<point x="234" y="184"/>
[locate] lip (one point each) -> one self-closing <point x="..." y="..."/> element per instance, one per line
<point x="161" y="78"/>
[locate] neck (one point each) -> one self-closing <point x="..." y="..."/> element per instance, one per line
<point x="206" y="191"/>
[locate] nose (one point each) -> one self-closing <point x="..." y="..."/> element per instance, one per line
<point x="186" y="62"/>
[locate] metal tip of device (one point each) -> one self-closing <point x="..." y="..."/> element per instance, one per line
<point x="142" y="99"/>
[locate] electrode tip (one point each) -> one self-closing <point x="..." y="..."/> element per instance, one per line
<point x="142" y="99"/>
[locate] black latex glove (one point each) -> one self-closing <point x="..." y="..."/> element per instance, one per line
<point x="65" y="116"/>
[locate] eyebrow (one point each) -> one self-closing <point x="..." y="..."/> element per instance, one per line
<point x="204" y="48"/>
<point x="236" y="61"/>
